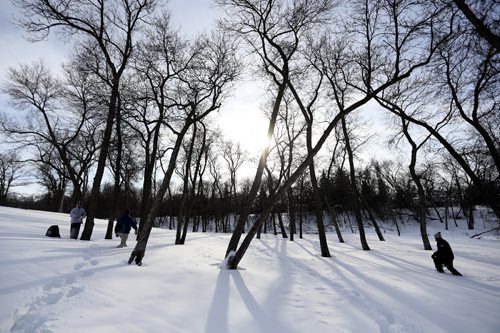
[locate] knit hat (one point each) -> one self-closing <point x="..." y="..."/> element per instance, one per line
<point x="437" y="235"/>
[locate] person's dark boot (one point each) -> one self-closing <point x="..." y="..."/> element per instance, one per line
<point x="454" y="271"/>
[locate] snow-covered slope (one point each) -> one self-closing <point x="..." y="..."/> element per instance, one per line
<point x="64" y="285"/>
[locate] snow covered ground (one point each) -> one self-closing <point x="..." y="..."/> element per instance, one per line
<point x="64" y="285"/>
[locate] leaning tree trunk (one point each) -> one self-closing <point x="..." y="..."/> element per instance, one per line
<point x="282" y="226"/>
<point x="380" y="235"/>
<point x="140" y="247"/>
<point x="333" y="217"/>
<point x="355" y="198"/>
<point x="240" y="225"/>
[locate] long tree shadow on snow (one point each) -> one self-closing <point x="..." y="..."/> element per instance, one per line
<point x="343" y="281"/>
<point x="218" y="321"/>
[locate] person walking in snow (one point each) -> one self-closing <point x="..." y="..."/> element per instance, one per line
<point x="77" y="215"/>
<point x="123" y="226"/>
<point x="444" y="256"/>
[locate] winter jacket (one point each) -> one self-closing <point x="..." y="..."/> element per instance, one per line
<point x="444" y="251"/>
<point x="124" y="224"/>
<point x="77" y="215"/>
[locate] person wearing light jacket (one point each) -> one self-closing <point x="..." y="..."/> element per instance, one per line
<point x="77" y="215"/>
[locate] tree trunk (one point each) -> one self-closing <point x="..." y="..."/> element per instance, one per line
<point x="375" y="223"/>
<point x="318" y="210"/>
<point x="422" y="211"/>
<point x="333" y="217"/>
<point x="282" y="226"/>
<point x="479" y="26"/>
<point x="184" y="214"/>
<point x="422" y="203"/>
<point x="354" y="187"/>
<point x="147" y="185"/>
<point x="101" y="164"/>
<point x="470" y="224"/>
<point x="240" y="225"/>
<point x="61" y="203"/>
<point x="273" y="218"/>
<point x="140" y="247"/>
<point x="291" y="214"/>
<point x="301" y="219"/>
<point x="397" y="225"/>
<point x="118" y="165"/>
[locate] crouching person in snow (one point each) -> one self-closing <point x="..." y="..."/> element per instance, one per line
<point x="123" y="226"/>
<point x="443" y="255"/>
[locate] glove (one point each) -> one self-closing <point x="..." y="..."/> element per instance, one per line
<point x="116" y="234"/>
<point x="135" y="232"/>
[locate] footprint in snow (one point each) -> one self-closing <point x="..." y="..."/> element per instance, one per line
<point x="78" y="266"/>
<point x="36" y="313"/>
<point x="75" y="291"/>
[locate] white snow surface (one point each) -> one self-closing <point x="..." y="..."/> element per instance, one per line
<point x="63" y="285"/>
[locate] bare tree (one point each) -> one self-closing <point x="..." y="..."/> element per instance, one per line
<point x="10" y="172"/>
<point x="191" y="170"/>
<point x="309" y="114"/>
<point x="55" y="116"/>
<point x="287" y="141"/>
<point x="186" y="200"/>
<point x="162" y="57"/>
<point x="472" y="82"/>
<point x="107" y="26"/>
<point x="467" y="82"/>
<point x="422" y="202"/>
<point x="400" y="62"/>
<point x="51" y="175"/>
<point x="273" y="30"/>
<point x="234" y="156"/>
<point x="483" y="20"/>
<point x="337" y="160"/>
<point x="490" y="196"/>
<point x="356" y="198"/>
<point x="204" y="87"/>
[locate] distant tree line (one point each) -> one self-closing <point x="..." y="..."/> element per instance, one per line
<point x="129" y="122"/>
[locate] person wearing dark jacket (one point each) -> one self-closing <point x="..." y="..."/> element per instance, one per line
<point x="443" y="256"/>
<point x="123" y="226"/>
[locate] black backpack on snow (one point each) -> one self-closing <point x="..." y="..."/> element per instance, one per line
<point x="53" y="231"/>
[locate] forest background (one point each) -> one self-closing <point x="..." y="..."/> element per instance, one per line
<point x="131" y="119"/>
